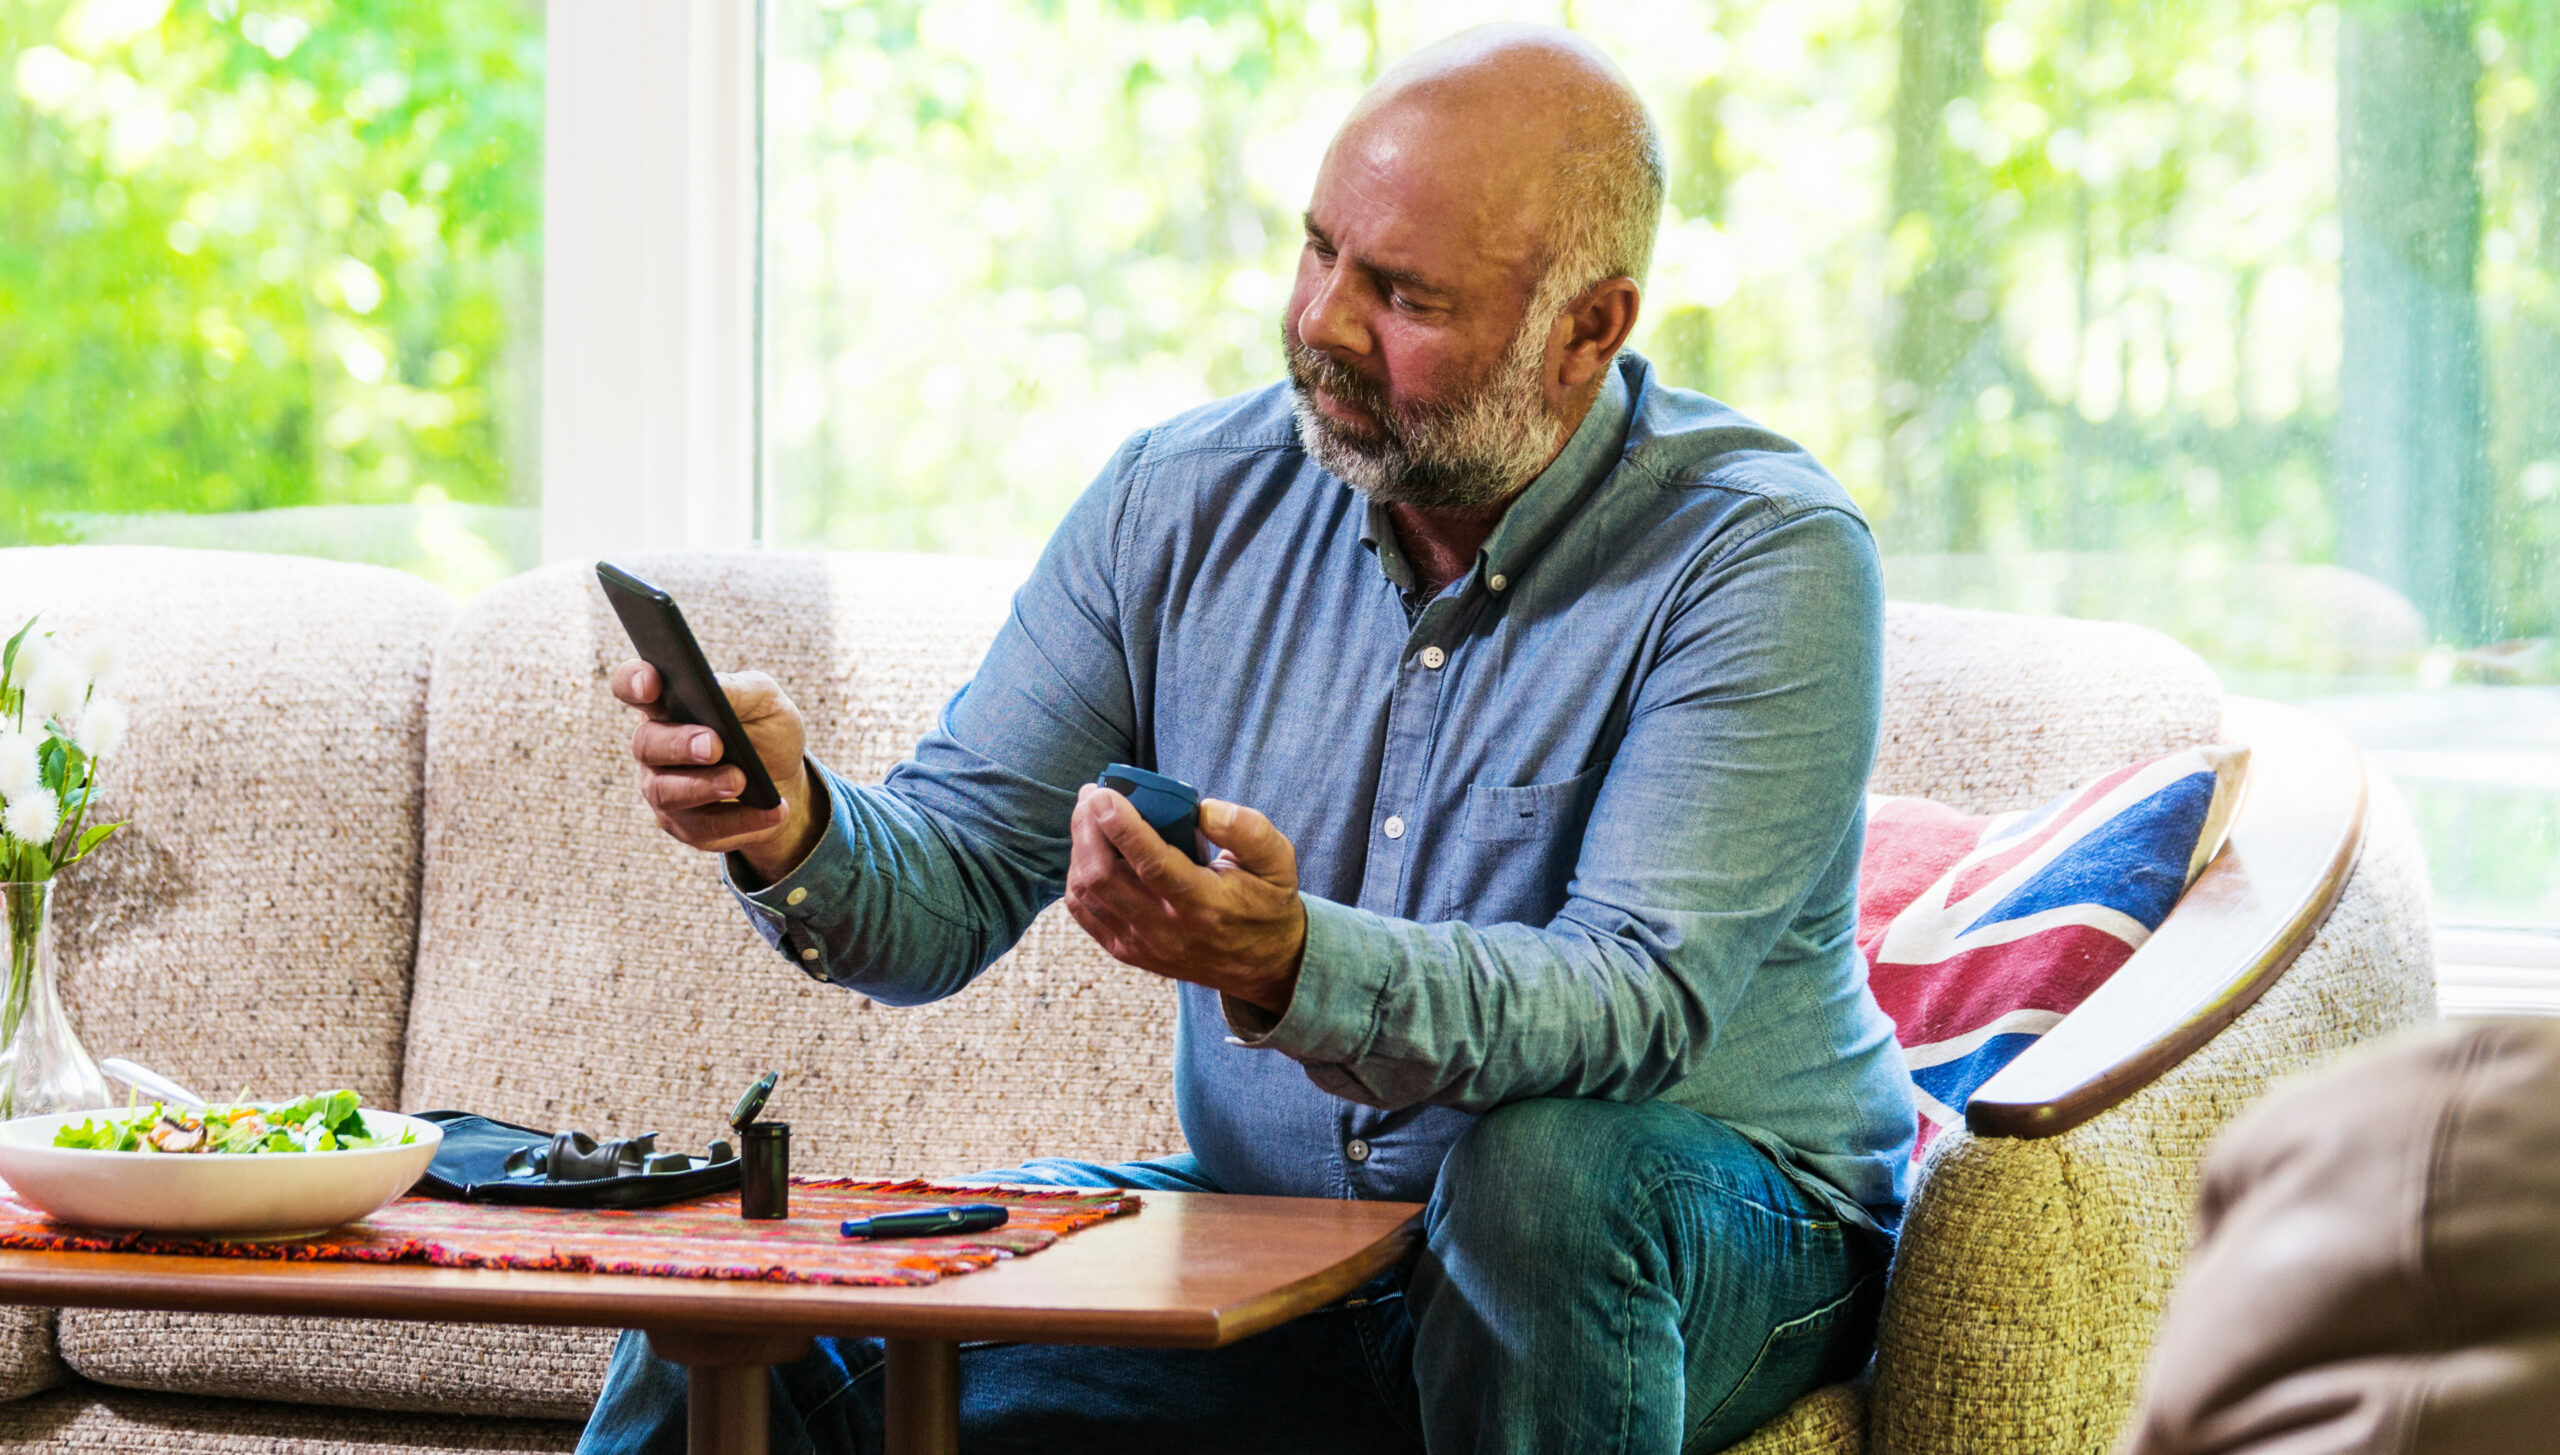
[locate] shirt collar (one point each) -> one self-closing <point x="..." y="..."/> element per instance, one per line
<point x="1535" y="514"/>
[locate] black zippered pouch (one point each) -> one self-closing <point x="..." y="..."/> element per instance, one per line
<point x="471" y="1166"/>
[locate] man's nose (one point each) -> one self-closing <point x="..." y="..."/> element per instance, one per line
<point x="1330" y="319"/>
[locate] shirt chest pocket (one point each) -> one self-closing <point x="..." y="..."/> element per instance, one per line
<point x="1520" y="848"/>
<point x="1505" y="815"/>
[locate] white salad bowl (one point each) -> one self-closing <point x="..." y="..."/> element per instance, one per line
<point x="258" y="1194"/>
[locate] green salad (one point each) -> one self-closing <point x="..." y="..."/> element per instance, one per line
<point x="328" y="1122"/>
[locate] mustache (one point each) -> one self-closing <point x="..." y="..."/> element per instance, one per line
<point x="1311" y="369"/>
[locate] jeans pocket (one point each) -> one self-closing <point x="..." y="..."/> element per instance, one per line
<point x="1799" y="1356"/>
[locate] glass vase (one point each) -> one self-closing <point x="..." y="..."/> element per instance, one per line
<point x="43" y="1067"/>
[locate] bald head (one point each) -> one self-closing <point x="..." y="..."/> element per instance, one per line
<point x="1540" y="135"/>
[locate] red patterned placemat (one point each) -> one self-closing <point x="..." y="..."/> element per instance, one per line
<point x="703" y="1238"/>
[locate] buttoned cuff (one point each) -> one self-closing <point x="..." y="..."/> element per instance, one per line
<point x="789" y="911"/>
<point x="1342" y="978"/>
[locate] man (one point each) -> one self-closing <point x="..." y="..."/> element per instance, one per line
<point x="1538" y="700"/>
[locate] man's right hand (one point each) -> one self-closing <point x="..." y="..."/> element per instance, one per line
<point x="693" y="800"/>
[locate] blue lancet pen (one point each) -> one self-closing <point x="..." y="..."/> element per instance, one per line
<point x="927" y="1222"/>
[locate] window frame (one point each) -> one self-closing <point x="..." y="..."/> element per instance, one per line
<point x="651" y="271"/>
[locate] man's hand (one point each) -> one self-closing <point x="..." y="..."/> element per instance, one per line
<point x="692" y="799"/>
<point x="1236" y="926"/>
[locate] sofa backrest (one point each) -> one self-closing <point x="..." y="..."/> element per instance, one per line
<point x="1988" y="711"/>
<point x="252" y="926"/>
<point x="576" y="967"/>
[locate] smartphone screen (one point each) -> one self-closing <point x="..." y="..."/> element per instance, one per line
<point x="687" y="690"/>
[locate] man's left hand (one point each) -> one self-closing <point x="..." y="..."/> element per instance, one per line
<point x="1236" y="926"/>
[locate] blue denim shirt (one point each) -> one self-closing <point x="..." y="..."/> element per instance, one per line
<point x="1586" y="823"/>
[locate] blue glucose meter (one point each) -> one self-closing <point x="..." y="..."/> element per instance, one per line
<point x="1170" y="806"/>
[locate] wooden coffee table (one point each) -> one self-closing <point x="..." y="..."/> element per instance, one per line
<point x="1191" y="1269"/>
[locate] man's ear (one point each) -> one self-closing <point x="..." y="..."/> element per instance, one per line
<point x="1597" y="325"/>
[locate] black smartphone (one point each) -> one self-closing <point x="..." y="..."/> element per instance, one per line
<point x="687" y="690"/>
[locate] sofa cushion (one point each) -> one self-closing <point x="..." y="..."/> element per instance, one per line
<point x="251" y="928"/>
<point x="375" y="1364"/>
<point x="28" y="1363"/>
<point x="1986" y="711"/>
<point x="88" y="1420"/>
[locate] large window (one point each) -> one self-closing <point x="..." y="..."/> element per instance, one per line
<point x="270" y="277"/>
<point x="2240" y="318"/>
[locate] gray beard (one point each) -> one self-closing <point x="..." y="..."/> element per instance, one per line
<point x="1465" y="454"/>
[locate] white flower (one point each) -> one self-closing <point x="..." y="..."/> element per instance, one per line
<point x="19" y="771"/>
<point x="102" y="725"/>
<point x="31" y="818"/>
<point x="54" y="689"/>
<point x="103" y="659"/>
<point x="32" y="653"/>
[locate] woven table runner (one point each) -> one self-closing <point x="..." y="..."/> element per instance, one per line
<point x="702" y="1238"/>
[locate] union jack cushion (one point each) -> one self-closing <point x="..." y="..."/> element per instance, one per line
<point x="1982" y="932"/>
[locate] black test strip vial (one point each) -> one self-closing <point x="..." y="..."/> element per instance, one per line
<point x="764" y="1167"/>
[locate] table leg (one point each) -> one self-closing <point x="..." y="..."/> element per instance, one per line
<point x="922" y="1397"/>
<point x="728" y="1386"/>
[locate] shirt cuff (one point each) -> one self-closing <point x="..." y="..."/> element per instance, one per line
<point x="788" y="911"/>
<point x="1342" y="978"/>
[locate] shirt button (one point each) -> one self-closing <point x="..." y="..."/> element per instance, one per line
<point x="1432" y="657"/>
<point x="1498" y="581"/>
<point x="1356" y="1150"/>
<point x="810" y="953"/>
<point x="1394" y="827"/>
<point x="795" y="896"/>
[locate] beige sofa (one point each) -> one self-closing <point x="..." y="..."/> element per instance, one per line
<point x="384" y="842"/>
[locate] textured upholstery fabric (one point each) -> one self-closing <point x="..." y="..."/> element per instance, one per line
<point x="1987" y="712"/>
<point x="2031" y="1274"/>
<point x="28" y="1363"/>
<point x="267" y="883"/>
<point x="88" y="1420"/>
<point x="374" y="1364"/>
<point x="1830" y="1421"/>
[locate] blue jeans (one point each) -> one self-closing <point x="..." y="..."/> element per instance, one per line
<point x="1594" y="1276"/>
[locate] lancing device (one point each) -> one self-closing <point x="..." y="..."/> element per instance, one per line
<point x="1170" y="806"/>
<point x="927" y="1222"/>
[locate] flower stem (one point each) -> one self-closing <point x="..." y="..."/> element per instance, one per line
<point x="22" y="905"/>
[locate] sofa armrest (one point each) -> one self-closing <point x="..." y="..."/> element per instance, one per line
<point x="2031" y="1272"/>
<point x="2252" y="912"/>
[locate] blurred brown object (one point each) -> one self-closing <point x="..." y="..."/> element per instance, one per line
<point x="2379" y="1268"/>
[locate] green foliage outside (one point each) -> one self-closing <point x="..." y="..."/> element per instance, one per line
<point x="274" y="267"/>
